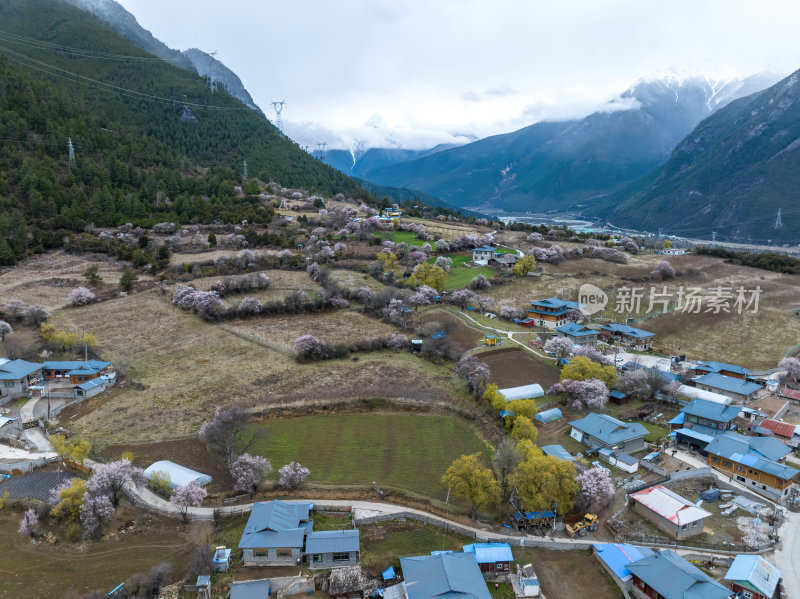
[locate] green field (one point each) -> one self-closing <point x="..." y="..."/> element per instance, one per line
<point x="405" y="451"/>
<point x="409" y="237"/>
<point x="656" y="432"/>
<point x="459" y="275"/>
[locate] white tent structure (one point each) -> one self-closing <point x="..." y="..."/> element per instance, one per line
<point x="179" y="476"/>
<point x="523" y="392"/>
<point x="695" y="393"/>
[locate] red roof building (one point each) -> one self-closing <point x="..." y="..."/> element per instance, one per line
<point x="790" y="394"/>
<point x="779" y="429"/>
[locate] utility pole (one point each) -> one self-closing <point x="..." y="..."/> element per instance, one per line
<point x="778" y="221"/>
<point x="244" y="169"/>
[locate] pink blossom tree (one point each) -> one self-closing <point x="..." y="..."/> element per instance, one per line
<point x="292" y="475"/>
<point x="35" y="315"/>
<point x="635" y="383"/>
<point x="561" y="347"/>
<point x="14" y="308"/>
<point x="556" y="388"/>
<point x="189" y="495"/>
<point x="5" y="329"/>
<point x="396" y="342"/>
<point x="535" y="238"/>
<point x="249" y="305"/>
<point x="792" y="368"/>
<point x="596" y="486"/>
<point x="417" y="257"/>
<point x="462" y="297"/>
<point x="589" y="394"/>
<point x="95" y="509"/>
<point x="109" y="479"/>
<point x="479" y="283"/>
<point x="29" y="525"/>
<point x="247" y="471"/>
<point x="444" y="262"/>
<point x="474" y="371"/>
<point x="510" y="312"/>
<point x="591" y="352"/>
<point x="337" y="301"/>
<point x="80" y="296"/>
<point x="662" y="271"/>
<point x="340" y="247"/>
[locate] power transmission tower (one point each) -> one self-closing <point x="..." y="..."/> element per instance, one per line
<point x="71" y="149"/>
<point x="321" y="147"/>
<point x="244" y="169"/>
<point x="713" y="236"/>
<point x="778" y="221"/>
<point x="277" y="106"/>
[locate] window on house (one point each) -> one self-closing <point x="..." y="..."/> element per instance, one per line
<point x="683" y="526"/>
<point x="727" y="463"/>
<point x="284" y="553"/>
<point x="9" y="383"/>
<point x="316" y="558"/>
<point x="341" y="557"/>
<point x="741" y="479"/>
<point x="259" y="553"/>
<point x="739" y="468"/>
<point x="714" y="459"/>
<point x="692" y="419"/>
<point x="747" y="594"/>
<point x="694" y="523"/>
<point x="764" y="487"/>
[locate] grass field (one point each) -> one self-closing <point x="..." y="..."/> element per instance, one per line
<point x="402" y="539"/>
<point x="44" y="570"/>
<point x="406" y="451"/>
<point x="188" y="366"/>
<point x="48" y="279"/>
<point x="341" y="326"/>
<point x="406" y="236"/>
<point x="460" y="275"/>
<point x="656" y="432"/>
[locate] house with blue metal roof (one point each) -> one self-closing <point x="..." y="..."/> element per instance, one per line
<point x="602" y="430"/>
<point x="551" y="312"/>
<point x="735" y="388"/>
<point x="332" y="548"/>
<point x="722" y="368"/>
<point x="753" y="577"/>
<point x="578" y="334"/>
<point x="709" y="417"/>
<point x="444" y="576"/>
<point x="250" y="589"/>
<point x="15" y="378"/>
<point x="275" y="533"/>
<point x="666" y="575"/>
<point x="754" y="462"/>
<point x="557" y="451"/>
<point x="491" y="557"/>
<point x="638" y="339"/>
<point x="615" y="558"/>
<point x="77" y="371"/>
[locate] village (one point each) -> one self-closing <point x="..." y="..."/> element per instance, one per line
<point x="541" y="435"/>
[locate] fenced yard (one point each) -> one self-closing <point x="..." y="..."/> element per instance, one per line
<point x="402" y="450"/>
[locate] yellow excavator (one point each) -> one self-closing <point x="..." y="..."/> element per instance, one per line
<point x="588" y="524"/>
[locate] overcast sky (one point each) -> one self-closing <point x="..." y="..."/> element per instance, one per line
<point x="424" y="72"/>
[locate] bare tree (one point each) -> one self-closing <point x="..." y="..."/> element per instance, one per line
<point x="221" y="431"/>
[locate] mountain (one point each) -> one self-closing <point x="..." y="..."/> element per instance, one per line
<point x="362" y="163"/>
<point x="125" y="24"/>
<point x="732" y="174"/>
<point x="555" y="165"/>
<point x="208" y="66"/>
<point x="150" y="142"/>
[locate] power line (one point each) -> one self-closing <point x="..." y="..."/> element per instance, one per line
<point x="108" y="87"/>
<point x="28" y="42"/>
